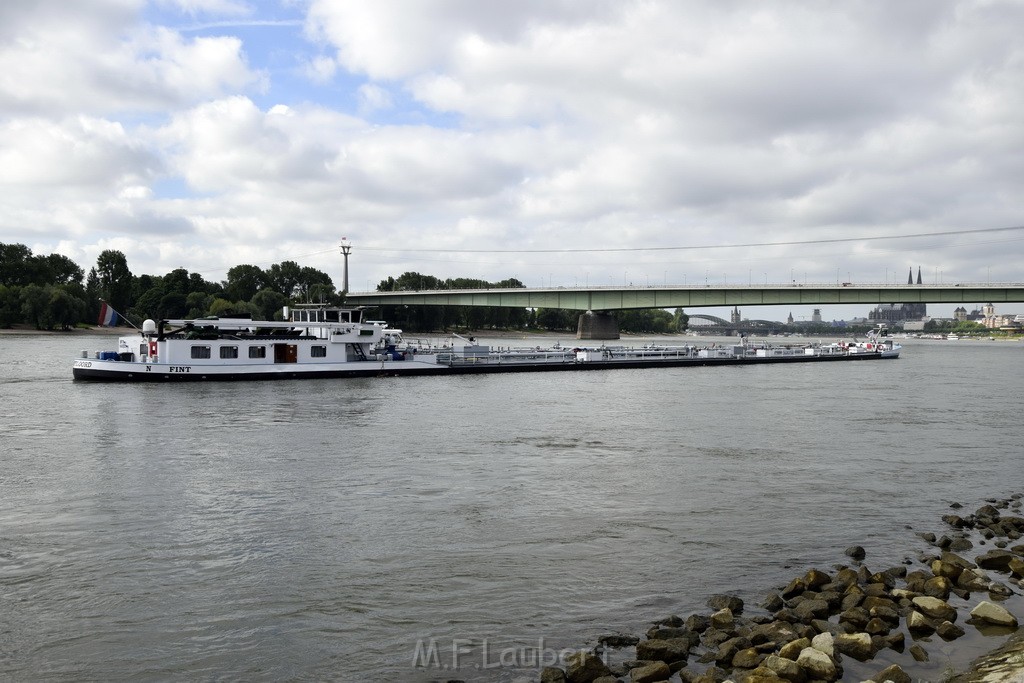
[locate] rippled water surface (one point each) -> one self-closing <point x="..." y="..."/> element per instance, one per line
<point x="320" y="530"/>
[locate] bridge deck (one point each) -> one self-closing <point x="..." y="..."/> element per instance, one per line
<point x="618" y="298"/>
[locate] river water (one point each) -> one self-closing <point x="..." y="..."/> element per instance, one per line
<point x="341" y="529"/>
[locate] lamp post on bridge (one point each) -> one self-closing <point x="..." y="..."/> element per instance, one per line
<point x="346" y="249"/>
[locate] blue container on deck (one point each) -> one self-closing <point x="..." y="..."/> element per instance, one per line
<point x="109" y="355"/>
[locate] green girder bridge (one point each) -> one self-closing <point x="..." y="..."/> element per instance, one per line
<point x="596" y="303"/>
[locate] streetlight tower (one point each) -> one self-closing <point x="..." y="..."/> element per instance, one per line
<point x="346" y="249"/>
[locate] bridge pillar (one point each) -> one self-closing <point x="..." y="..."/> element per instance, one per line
<point x="597" y="325"/>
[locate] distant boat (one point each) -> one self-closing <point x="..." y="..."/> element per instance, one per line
<point x="952" y="337"/>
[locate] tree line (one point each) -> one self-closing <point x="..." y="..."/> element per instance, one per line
<point x="53" y="292"/>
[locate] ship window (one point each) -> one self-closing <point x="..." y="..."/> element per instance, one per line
<point x="257" y="352"/>
<point x="229" y="352"/>
<point x="318" y="352"/>
<point x="200" y="351"/>
<point x="332" y="316"/>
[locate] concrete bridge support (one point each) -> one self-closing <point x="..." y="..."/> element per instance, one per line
<point x="597" y="325"/>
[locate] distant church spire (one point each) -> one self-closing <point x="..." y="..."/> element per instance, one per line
<point x="919" y="275"/>
<point x="910" y="278"/>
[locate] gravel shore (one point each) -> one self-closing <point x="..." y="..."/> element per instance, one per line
<point x="848" y="623"/>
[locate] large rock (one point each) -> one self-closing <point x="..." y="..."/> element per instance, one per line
<point x="824" y="643"/>
<point x="664" y="650"/>
<point x="747" y="658"/>
<point x="973" y="580"/>
<point x="995" y="559"/>
<point x="585" y="667"/>
<point x="892" y="673"/>
<point x="817" y="665"/>
<point x="784" y="668"/>
<point x="919" y="623"/>
<point x="856" y="645"/>
<point x="938" y="587"/>
<point x="656" y="671"/>
<point x="723" y="601"/>
<point x="552" y="674"/>
<point x="947" y="630"/>
<point x="792" y="649"/>
<point x="935" y="608"/>
<point x="809" y="610"/>
<point x="815" y="579"/>
<point x="1017" y="567"/>
<point x="856" y="552"/>
<point x="722" y="619"/>
<point x="989" y="613"/>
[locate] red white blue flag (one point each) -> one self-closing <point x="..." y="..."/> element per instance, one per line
<point x="108" y="316"/>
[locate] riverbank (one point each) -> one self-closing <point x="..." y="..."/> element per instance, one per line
<point x="919" y="621"/>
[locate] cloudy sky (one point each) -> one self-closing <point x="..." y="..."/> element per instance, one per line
<point x="470" y="138"/>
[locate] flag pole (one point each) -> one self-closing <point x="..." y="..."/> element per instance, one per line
<point x="117" y="313"/>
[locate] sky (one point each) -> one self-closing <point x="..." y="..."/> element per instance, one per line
<point x="560" y="142"/>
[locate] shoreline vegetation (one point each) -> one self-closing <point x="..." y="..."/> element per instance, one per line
<point x="806" y="630"/>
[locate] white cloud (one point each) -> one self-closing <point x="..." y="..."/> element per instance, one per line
<point x="95" y="57"/>
<point x="538" y="123"/>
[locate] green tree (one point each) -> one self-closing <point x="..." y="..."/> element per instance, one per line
<point x="65" y="309"/>
<point x="243" y="282"/>
<point x="10" y="306"/>
<point x="284" y="277"/>
<point x="314" y="286"/>
<point x="15" y="265"/>
<point x="35" y="309"/>
<point x="269" y="303"/>
<point x="115" y="279"/>
<point x="57" y="269"/>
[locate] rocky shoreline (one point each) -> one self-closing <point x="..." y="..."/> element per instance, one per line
<point x="848" y="624"/>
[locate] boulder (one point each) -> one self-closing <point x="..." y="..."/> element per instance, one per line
<point x="552" y="674"/>
<point x="728" y="650"/>
<point x="784" y="668"/>
<point x="919" y="623"/>
<point x="856" y="645"/>
<point x="857" y="616"/>
<point x="935" y="608"/>
<point x="947" y="630"/>
<point x="817" y="665"/>
<point x="877" y="627"/>
<point x="808" y="610"/>
<point x="938" y="587"/>
<point x="792" y="649"/>
<point x="773" y="602"/>
<point x="618" y="640"/>
<point x="996" y="559"/>
<point x="1016" y="566"/>
<point x="892" y="673"/>
<point x="666" y="650"/>
<point x="585" y="667"/>
<point x="723" y="601"/>
<point x="778" y="632"/>
<point x="825" y="643"/>
<point x="747" y="658"/>
<point x="815" y="579"/>
<point x="989" y="613"/>
<point x="698" y="623"/>
<point x="663" y="633"/>
<point x="722" y="619"/>
<point x="655" y="671"/>
<point x="793" y="588"/>
<point x="918" y="653"/>
<point x="856" y="552"/>
<point x="972" y="580"/>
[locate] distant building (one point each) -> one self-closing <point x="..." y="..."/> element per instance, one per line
<point x="816" y="316"/>
<point x="960" y="314"/>
<point x="899" y="313"/>
<point x="789" y="320"/>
